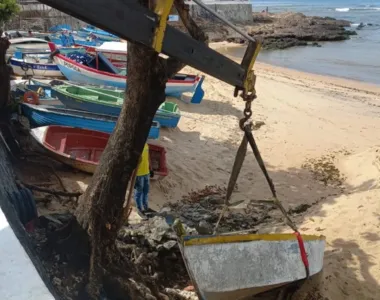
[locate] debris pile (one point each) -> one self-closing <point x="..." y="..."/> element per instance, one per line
<point x="201" y="210"/>
<point x="152" y="246"/>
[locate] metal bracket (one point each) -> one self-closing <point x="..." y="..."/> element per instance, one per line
<point x="162" y="10"/>
<point x="247" y="63"/>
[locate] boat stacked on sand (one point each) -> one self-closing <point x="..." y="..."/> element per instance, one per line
<point x="34" y="64"/>
<point x="100" y="100"/>
<point x="100" y="71"/>
<point x="43" y="115"/>
<point x="91" y="99"/>
<point x="82" y="148"/>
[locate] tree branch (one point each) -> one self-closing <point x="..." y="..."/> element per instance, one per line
<point x="48" y="191"/>
<point x="174" y="65"/>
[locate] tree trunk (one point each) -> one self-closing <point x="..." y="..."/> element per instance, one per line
<point x="101" y="207"/>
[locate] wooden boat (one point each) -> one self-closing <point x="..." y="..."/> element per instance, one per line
<point x="100" y="100"/>
<point x="77" y="72"/>
<point x="43" y="91"/>
<point x="43" y="115"/>
<point x="34" y="64"/>
<point x="224" y="267"/>
<point x="82" y="148"/>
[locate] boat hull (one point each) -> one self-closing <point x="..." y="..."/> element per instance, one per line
<point x="165" y="119"/>
<point x="39" y="115"/>
<point x="22" y="68"/>
<point x="238" y="266"/>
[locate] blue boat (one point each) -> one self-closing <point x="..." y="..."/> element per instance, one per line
<point x="104" y="35"/>
<point x="106" y="101"/>
<point x="43" y="115"/>
<point x="60" y="27"/>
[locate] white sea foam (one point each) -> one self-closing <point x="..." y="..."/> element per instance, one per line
<point x="344" y="9"/>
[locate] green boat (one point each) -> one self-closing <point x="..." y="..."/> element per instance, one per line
<point x="107" y="101"/>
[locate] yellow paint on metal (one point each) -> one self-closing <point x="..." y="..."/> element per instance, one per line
<point x="249" y="83"/>
<point x="162" y="9"/>
<point x="223" y="239"/>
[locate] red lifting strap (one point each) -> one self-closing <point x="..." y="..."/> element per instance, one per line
<point x="303" y="253"/>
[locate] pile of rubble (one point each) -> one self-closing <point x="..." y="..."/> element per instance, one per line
<point x="201" y="210"/>
<point x="152" y="246"/>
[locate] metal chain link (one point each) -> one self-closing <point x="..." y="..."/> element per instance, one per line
<point x="247" y="112"/>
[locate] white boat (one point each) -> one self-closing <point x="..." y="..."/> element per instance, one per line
<point x="224" y="267"/>
<point x="34" y="64"/>
<point x="29" y="43"/>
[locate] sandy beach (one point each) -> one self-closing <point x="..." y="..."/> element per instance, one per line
<point x="320" y="143"/>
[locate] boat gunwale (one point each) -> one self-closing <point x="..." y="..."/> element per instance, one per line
<point x="62" y="90"/>
<point x="224" y="239"/>
<point x="32" y="63"/>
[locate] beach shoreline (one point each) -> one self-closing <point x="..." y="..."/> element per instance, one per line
<point x="229" y="49"/>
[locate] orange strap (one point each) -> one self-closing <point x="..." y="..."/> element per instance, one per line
<point x="303" y="253"/>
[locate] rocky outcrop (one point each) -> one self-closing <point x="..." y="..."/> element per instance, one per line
<point x="280" y="31"/>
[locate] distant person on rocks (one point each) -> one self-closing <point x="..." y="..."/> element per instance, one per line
<point x="143" y="181"/>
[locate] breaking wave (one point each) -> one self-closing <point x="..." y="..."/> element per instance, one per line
<point x="346" y="9"/>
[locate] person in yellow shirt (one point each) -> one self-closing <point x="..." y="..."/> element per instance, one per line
<point x="143" y="181"/>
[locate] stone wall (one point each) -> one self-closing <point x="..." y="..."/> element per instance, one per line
<point x="237" y="13"/>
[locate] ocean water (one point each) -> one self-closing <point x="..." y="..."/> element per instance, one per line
<point x="357" y="58"/>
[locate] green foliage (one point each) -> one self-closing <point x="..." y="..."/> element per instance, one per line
<point x="8" y="8"/>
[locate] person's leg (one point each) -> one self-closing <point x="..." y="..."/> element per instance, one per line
<point x="146" y="191"/>
<point x="139" y="192"/>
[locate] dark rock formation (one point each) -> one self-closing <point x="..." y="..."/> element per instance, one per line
<point x="281" y="31"/>
<point x="285" y="30"/>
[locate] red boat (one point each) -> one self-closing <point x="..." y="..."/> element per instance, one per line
<point x="82" y="148"/>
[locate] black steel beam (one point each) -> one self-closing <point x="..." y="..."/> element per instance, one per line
<point x="133" y="22"/>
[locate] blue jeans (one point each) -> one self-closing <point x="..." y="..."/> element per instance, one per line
<point x="142" y="191"/>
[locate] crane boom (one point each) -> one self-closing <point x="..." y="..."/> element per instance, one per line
<point x="130" y="20"/>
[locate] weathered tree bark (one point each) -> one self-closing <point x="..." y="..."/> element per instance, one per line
<point x="101" y="207"/>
